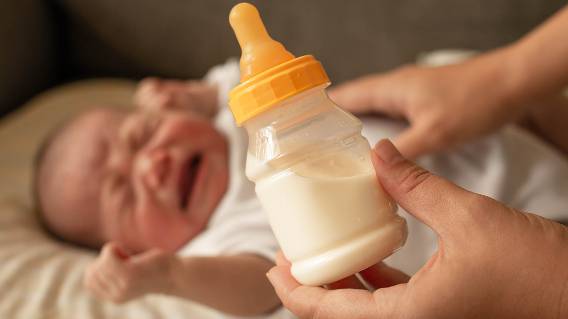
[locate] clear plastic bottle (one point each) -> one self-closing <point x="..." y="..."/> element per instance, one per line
<point x="309" y="161"/>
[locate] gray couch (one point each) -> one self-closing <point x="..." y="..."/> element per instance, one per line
<point x="47" y="42"/>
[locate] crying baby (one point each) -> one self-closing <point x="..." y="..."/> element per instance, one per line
<point x="161" y="189"/>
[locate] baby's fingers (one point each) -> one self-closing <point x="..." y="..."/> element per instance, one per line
<point x="112" y="252"/>
<point x="145" y="88"/>
<point x="98" y="286"/>
<point x="116" y="288"/>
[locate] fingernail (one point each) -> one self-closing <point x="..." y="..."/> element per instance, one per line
<point x="386" y="151"/>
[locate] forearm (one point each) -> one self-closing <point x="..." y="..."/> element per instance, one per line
<point x="547" y="119"/>
<point x="530" y="75"/>
<point x="233" y="284"/>
<point x="538" y="63"/>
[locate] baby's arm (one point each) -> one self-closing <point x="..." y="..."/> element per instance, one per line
<point x="233" y="284"/>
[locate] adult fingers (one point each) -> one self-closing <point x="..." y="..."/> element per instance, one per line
<point x="443" y="206"/>
<point x="349" y="282"/>
<point x="367" y="94"/>
<point x="281" y="259"/>
<point x="381" y="276"/>
<point x="415" y="141"/>
<point x="317" y="302"/>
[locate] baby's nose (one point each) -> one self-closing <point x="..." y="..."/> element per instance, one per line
<point x="154" y="166"/>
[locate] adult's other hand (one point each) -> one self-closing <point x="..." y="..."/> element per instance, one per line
<point x="445" y="106"/>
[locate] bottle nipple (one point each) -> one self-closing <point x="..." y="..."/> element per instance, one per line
<point x="269" y="73"/>
<point x="259" y="51"/>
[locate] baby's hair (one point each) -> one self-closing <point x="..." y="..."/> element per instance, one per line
<point x="87" y="237"/>
<point x="37" y="164"/>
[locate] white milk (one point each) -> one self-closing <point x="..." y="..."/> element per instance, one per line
<point x="329" y="224"/>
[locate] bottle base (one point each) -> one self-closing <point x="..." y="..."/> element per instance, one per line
<point x="351" y="257"/>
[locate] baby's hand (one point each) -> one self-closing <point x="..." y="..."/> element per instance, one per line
<point x="154" y="94"/>
<point x="117" y="277"/>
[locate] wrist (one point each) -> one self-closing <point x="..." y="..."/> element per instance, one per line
<point x="508" y="75"/>
<point x="504" y="82"/>
<point x="173" y="269"/>
<point x="530" y="76"/>
<point x="518" y="79"/>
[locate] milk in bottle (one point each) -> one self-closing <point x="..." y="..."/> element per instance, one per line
<point x="309" y="162"/>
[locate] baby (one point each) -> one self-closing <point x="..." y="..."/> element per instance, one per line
<point x="161" y="189"/>
<point x="168" y="179"/>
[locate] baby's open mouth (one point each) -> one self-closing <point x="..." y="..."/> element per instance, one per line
<point x="187" y="181"/>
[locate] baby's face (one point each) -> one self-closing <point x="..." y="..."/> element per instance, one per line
<point x="145" y="180"/>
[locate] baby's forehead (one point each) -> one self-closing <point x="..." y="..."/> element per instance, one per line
<point x="77" y="152"/>
<point x="97" y="120"/>
<point x="84" y="136"/>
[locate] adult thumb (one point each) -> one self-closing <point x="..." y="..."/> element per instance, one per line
<point x="438" y="203"/>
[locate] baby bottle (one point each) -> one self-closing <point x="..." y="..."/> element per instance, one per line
<point x="310" y="164"/>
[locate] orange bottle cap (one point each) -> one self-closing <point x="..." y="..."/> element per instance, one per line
<point x="269" y="73"/>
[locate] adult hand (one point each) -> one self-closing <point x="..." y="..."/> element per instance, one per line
<point x="492" y="261"/>
<point x="445" y="106"/>
<point x="117" y="277"/>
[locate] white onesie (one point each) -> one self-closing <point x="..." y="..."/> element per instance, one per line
<point x="238" y="224"/>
